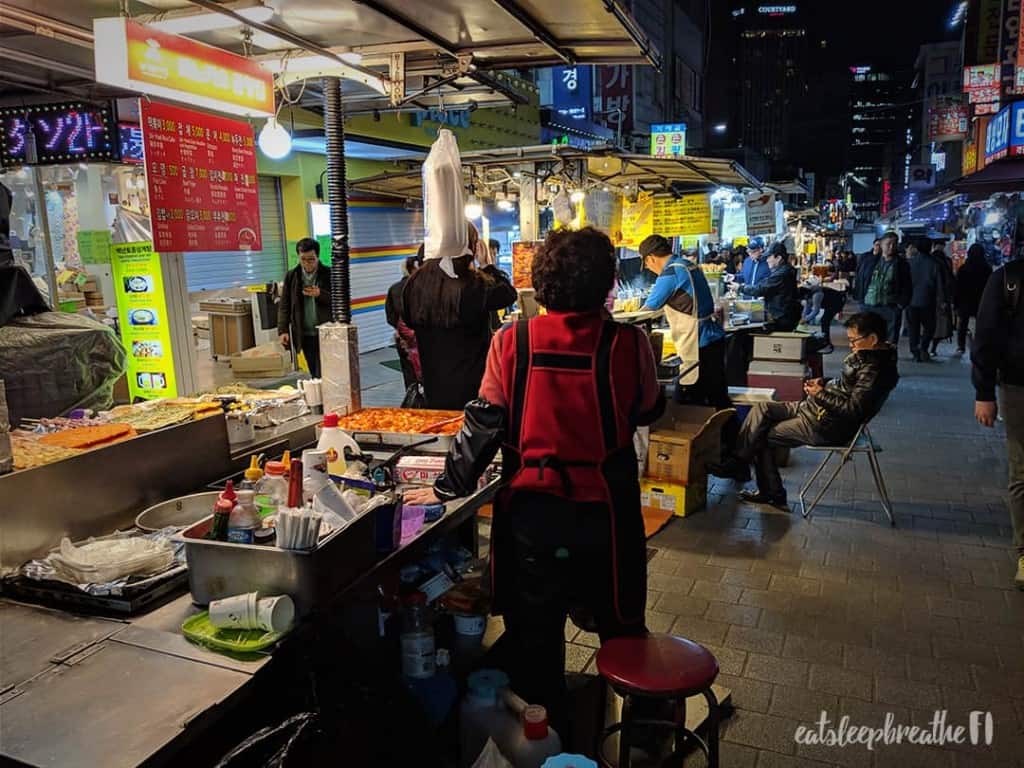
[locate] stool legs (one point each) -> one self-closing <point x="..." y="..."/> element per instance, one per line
<point x="625" y="732"/>
<point x="712" y="725"/>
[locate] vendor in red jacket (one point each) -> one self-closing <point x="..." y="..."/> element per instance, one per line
<point x="562" y="396"/>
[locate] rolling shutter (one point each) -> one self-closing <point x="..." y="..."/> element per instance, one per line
<point x="235" y="269"/>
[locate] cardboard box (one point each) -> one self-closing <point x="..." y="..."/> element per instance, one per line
<point x="419" y="470"/>
<point x="684" y="441"/>
<point x="264" y="361"/>
<point x="787" y="379"/>
<point x="679" y="499"/>
<point x="781" y="346"/>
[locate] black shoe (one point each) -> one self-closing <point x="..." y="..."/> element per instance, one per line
<point x="757" y="497"/>
<point x="731" y="469"/>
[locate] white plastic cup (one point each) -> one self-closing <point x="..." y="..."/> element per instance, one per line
<point x="470" y="625"/>
<point x="235" y="612"/>
<point x="275" y="614"/>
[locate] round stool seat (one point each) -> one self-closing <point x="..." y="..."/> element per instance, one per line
<point x="657" y="665"/>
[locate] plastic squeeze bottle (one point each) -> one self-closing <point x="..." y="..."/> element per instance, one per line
<point x="335" y="440"/>
<point x="252" y="475"/>
<point x="244" y="520"/>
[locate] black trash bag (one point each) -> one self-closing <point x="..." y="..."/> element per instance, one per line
<point x="414" y="397"/>
<point x="286" y="745"/>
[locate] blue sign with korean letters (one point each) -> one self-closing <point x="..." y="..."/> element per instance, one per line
<point x="1005" y="134"/>
<point x="1017" y="128"/>
<point x="572" y="91"/>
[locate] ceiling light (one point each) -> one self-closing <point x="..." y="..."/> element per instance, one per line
<point x="505" y="205"/>
<point x="721" y="128"/>
<point x="577" y="196"/>
<point x="211" y="21"/>
<point x="474" y="209"/>
<point x="274" y="140"/>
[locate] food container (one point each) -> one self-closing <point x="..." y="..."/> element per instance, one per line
<point x="312" y="578"/>
<point x="177" y="513"/>
<point x="419" y="470"/>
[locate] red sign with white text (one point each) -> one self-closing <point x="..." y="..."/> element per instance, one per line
<point x="201" y="173"/>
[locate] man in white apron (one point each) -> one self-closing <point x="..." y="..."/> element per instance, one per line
<point x="682" y="290"/>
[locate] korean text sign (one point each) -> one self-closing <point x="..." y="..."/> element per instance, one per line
<point x="682" y="217"/>
<point x="201" y="173"/>
<point x="142" y="312"/>
<point x="144" y="59"/>
<point x="668" y="139"/>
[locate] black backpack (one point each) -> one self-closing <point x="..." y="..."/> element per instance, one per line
<point x="1013" y="276"/>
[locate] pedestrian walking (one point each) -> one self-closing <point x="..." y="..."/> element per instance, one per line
<point x="925" y="276"/>
<point x="305" y="304"/>
<point x="997" y="359"/>
<point x="887" y="284"/>
<point x="970" y="284"/>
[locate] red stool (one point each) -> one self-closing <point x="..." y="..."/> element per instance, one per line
<point x="663" y="668"/>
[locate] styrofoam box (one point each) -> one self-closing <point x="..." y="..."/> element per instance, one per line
<point x="781" y="346"/>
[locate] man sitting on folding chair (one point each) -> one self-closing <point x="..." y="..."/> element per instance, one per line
<point x="832" y="413"/>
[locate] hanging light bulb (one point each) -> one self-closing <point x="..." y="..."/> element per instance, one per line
<point x="505" y="204"/>
<point x="577" y="196"/>
<point x="474" y="209"/>
<point x="274" y="140"/>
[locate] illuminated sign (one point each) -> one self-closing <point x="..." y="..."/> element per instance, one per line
<point x="989" y="95"/>
<point x="776" y="10"/>
<point x="142" y="310"/>
<point x="981" y="76"/>
<point x="140" y="58"/>
<point x="51" y="134"/>
<point x="668" y="140"/>
<point x="948" y="123"/>
<point x="997" y="137"/>
<point x="572" y="92"/>
<point x="130" y="140"/>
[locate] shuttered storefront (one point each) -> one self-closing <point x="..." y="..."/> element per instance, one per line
<point x="235" y="269"/>
<point x="383" y="234"/>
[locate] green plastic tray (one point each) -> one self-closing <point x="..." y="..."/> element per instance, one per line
<point x="243" y="641"/>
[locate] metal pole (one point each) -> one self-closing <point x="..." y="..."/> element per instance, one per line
<point x="337" y="197"/>
<point x="44" y="224"/>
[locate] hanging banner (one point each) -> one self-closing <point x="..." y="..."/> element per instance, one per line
<point x="142" y="312"/>
<point x="948" y="123"/>
<point x="686" y="216"/>
<point x="201" y="174"/>
<point x="637" y="221"/>
<point x="602" y="210"/>
<point x="761" y="214"/>
<point x="146" y="60"/>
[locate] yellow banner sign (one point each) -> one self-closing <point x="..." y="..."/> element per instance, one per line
<point x="637" y="222"/>
<point x="142" y="312"/>
<point x="687" y="215"/>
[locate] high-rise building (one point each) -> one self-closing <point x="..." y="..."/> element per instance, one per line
<point x="883" y="136"/>
<point x="945" y="115"/>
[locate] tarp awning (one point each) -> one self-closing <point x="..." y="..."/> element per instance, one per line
<point x="1006" y="176"/>
<point x="938" y="199"/>
<point x="603" y="167"/>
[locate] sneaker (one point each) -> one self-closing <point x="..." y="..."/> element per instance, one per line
<point x="757" y="497"/>
<point x="1019" y="578"/>
<point x="828" y="349"/>
<point x="960" y="353"/>
<point x="731" y="469"/>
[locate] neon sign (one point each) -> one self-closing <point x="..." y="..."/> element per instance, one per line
<point x="53" y="134"/>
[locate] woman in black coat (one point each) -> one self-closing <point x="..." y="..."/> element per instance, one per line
<point x="970" y="284"/>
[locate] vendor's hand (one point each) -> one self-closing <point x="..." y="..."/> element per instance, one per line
<point x="285" y="341"/>
<point x="986" y="412"/>
<point x="421" y="497"/>
<point x="311" y="290"/>
<point x="729" y="278"/>
<point x="814" y="386"/>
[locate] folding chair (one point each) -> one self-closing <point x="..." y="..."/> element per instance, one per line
<point x="862" y="442"/>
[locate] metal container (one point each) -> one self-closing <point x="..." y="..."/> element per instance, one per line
<point x="177" y="513"/>
<point x="218" y="569"/>
<point x="377" y="441"/>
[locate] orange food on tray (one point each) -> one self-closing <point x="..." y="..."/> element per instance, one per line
<point x="421" y="422"/>
<point x="89" y="437"/>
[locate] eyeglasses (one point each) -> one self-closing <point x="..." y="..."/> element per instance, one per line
<point x="855" y="339"/>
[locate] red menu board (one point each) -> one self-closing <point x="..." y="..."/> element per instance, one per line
<point x="201" y="173"/>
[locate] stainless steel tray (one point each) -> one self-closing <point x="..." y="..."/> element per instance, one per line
<point x="217" y="569"/>
<point x="179" y="512"/>
<point x="375" y="441"/>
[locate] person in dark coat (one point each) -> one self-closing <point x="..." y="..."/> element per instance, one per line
<point x="944" y="297"/>
<point x="451" y="317"/>
<point x="405" y="338"/>
<point x="925" y="275"/>
<point x="970" y="284"/>
<point x="886" y="284"/>
<point x="305" y="304"/>
<point x="865" y="265"/>
<point x="780" y="292"/>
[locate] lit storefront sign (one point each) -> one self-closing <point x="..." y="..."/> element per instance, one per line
<point x="52" y="134"/>
<point x="997" y="137"/>
<point x="668" y="139"/>
<point x="140" y="58"/>
<point x="776" y="10"/>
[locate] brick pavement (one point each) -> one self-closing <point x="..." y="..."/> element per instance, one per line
<point x="847" y="615"/>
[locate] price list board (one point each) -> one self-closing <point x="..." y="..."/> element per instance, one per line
<point x="201" y="174"/>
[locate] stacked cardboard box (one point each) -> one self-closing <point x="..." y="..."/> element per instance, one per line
<point x="682" y="444"/>
<point x="780" y="363"/>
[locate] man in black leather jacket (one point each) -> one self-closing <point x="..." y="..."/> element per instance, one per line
<point x="780" y="292"/>
<point x="830" y="415"/>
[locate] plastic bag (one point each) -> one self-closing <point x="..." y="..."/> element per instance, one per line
<point x="263" y="747"/>
<point x="414" y="397"/>
<point x="491" y="757"/>
<point x="443" y="203"/>
<point x="112" y="558"/>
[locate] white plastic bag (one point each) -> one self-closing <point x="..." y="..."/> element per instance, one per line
<point x="641" y="443"/>
<point x="443" y="203"/>
<point x="491" y="757"/>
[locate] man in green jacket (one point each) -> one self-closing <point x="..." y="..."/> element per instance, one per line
<point x="305" y="304"/>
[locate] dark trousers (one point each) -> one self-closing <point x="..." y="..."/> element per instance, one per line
<point x="893" y="316"/>
<point x="559" y="558"/>
<point x="311" y="351"/>
<point x="775" y="425"/>
<point x="711" y="388"/>
<point x="1011" y="397"/>
<point x="963" y="322"/>
<point x="922" y="328"/>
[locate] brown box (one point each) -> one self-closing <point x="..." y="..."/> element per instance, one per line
<point x="264" y="361"/>
<point x="684" y="441"/>
<point x="230" y="334"/>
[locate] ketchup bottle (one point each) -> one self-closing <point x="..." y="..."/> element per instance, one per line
<point x="295" y="485"/>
